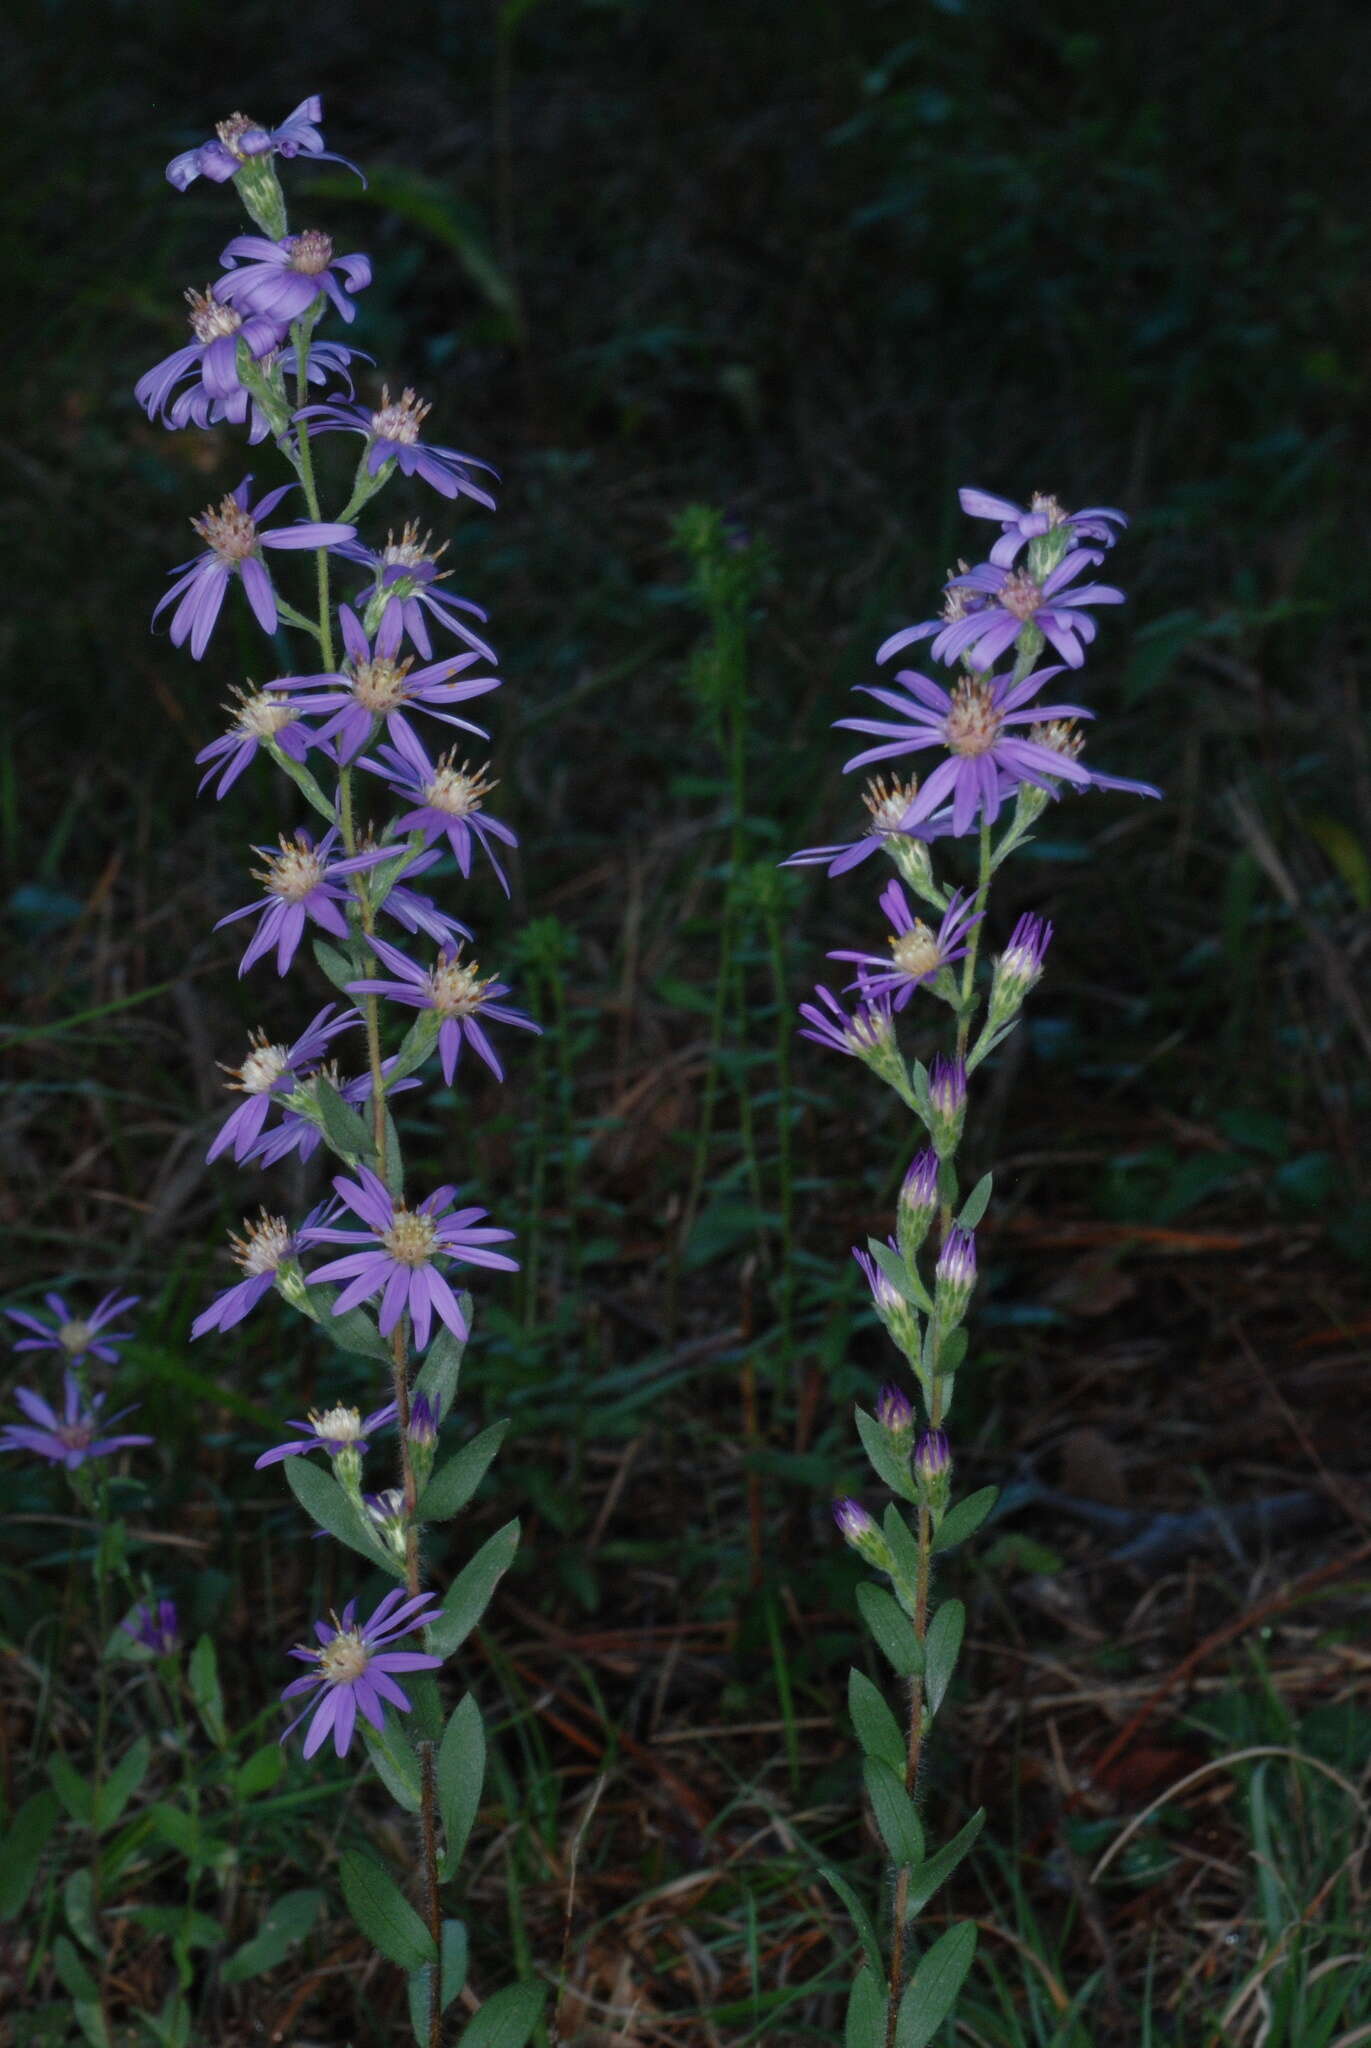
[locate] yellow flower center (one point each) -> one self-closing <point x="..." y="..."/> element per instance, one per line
<point x="458" y="791"/>
<point x="74" y="1337"/>
<point x="916" y="952"/>
<point x="264" y="1246"/>
<point x="399" y="419"/>
<point x="293" y="872"/>
<point x="345" y="1658"/>
<point x="310" y="252"/>
<point x="411" y="1238"/>
<point x="230" y="533"/>
<point x="208" y="319"/>
<point x="972" y="726"/>
<point x="380" y="685"/>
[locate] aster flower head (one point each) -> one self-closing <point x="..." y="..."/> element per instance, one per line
<point x="257" y="718"/>
<point x="446" y="799"/>
<point x="355" y="1668"/>
<point x="1020" y="966"/>
<point x="207" y="366"/>
<point x="392" y="434"/>
<point x="337" y="1430"/>
<point x="918" y="1203"/>
<point x="76" y="1337"/>
<point x="407" y="576"/>
<point x="398" y="1254"/>
<point x="72" y="1437"/>
<point x="155" y="1626"/>
<point x="423" y="1423"/>
<point x="303" y="881"/>
<point x="269" y="1071"/>
<point x="301" y="1127"/>
<point x="1018" y="602"/>
<point x="234" y="541"/>
<point x="1062" y="738"/>
<point x="378" y="684"/>
<point x="1043" y="518"/>
<point x="857" y="1528"/>
<point x="917" y="955"/>
<point x="888" y="809"/>
<point x="898" y="1315"/>
<point x="867" y="1035"/>
<point x="933" y="1472"/>
<point x="958" y="604"/>
<point x="456" y="994"/>
<point x="268" y="1252"/>
<point x="389" y="1518"/>
<point x="895" y="1414"/>
<point x="973" y="722"/>
<point x="240" y="142"/>
<point x="284" y="279"/>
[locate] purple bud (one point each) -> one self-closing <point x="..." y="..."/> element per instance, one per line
<point x="947" y="1087"/>
<point x="957" y="1259"/>
<point x="157" y="1628"/>
<point x="1020" y="965"/>
<point x="933" y="1457"/>
<point x="423" y="1423"/>
<point x="919" y="1189"/>
<point x="893" y="1411"/>
<point x="853" y="1520"/>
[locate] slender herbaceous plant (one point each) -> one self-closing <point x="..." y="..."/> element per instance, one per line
<point x="370" y="723"/>
<point x="1001" y="754"/>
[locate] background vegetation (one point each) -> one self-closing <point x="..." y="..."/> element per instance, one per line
<point x="810" y="266"/>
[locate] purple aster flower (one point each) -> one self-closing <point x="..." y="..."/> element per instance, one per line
<point x="258" y="716"/>
<point x="947" y="1087"/>
<point x="76" y="1337"/>
<point x="917" y="955"/>
<point x="299" y="1132"/>
<point x="885" y="1295"/>
<point x="271" y="1071"/>
<point x="895" y="1414"/>
<point x="209" y="364"/>
<point x="196" y="406"/>
<point x="400" y="1246"/>
<point x="868" y="1034"/>
<point x="423" y="1423"/>
<point x="1021" y="524"/>
<point x="157" y="1628"/>
<point x="377" y="686"/>
<point x="1014" y="600"/>
<point x="284" y="279"/>
<point x="1062" y="738"/>
<point x="919" y="1188"/>
<point x="336" y="1430"/>
<point x="956" y="1269"/>
<point x="888" y="809"/>
<point x="853" y="1519"/>
<point x="240" y="141"/>
<point x="455" y="992"/>
<point x="1019" y="968"/>
<point x="958" y="604"/>
<point x="447" y="799"/>
<point x="267" y="1247"/>
<point x="356" y="1669"/>
<point x="972" y="723"/>
<point x="74" y="1436"/>
<point x="235" y="548"/>
<point x="407" y="576"/>
<point x="933" y="1457"/>
<point x="392" y="435"/>
<point x="302" y="881"/>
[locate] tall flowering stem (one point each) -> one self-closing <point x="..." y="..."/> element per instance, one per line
<point x="1003" y="755"/>
<point x="372" y="1266"/>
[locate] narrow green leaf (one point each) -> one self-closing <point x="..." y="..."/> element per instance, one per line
<point x="470" y="1591"/>
<point x="76" y="1978"/>
<point x="877" y="1729"/>
<point x="438" y="1375"/>
<point x="395" y="1159"/>
<point x="383" y="1913"/>
<point x="454" y="1949"/>
<point x="866" y="2011"/>
<point x="453" y="1484"/>
<point x="206" y="1691"/>
<point x="415" y="1047"/>
<point x="885" y="1463"/>
<point x="396" y="1764"/>
<point x="78" y="1900"/>
<point x="175" y="1824"/>
<point x="75" y="1794"/>
<point x="903" y="1547"/>
<point x="325" y="1502"/>
<point x="507" y="2019"/>
<point x="285" y="1922"/>
<point x="461" y="1774"/>
<point x="977" y="1202"/>
<point x="951" y="1352"/>
<point x="940" y="1866"/>
<point x="941" y="1645"/>
<point x="22" y="1847"/>
<point x="966" y="1517"/>
<point x="932" y="1991"/>
<point x="354" y="1330"/>
<point x="892" y="1628"/>
<point x="196" y="1931"/>
<point x="894" y="1812"/>
<point x="336" y="965"/>
<point x="345" y="1132"/>
<point x="861" y="1919"/>
<point x="262" y="1770"/>
<point x="121" y="1784"/>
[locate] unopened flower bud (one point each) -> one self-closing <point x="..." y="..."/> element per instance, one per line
<point x="347" y="1469"/>
<point x="862" y="1533"/>
<point x="899" y="1316"/>
<point x="933" y="1470"/>
<point x="386" y="1511"/>
<point x="956" y="1276"/>
<point x="896" y="1417"/>
<point x="1019" y="967"/>
<point x="423" y="1437"/>
<point x="918" y="1203"/>
<point x="947" y="1098"/>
